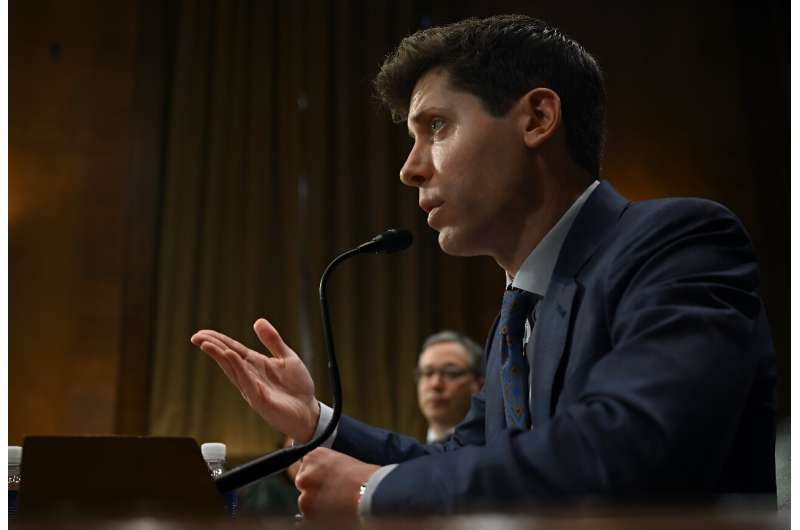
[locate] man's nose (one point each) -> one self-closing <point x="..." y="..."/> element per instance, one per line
<point x="437" y="379"/>
<point x="418" y="168"/>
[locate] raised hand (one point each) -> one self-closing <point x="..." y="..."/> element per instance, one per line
<point x="278" y="388"/>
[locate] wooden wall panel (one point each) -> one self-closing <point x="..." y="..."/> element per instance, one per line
<point x="70" y="86"/>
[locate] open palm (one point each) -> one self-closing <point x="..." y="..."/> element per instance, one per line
<point x="278" y="388"/>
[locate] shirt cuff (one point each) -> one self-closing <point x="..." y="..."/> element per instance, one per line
<point x="365" y="503"/>
<point x="325" y="416"/>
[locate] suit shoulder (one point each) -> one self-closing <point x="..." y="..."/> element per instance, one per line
<point x="690" y="236"/>
<point x="659" y="221"/>
<point x="679" y="209"/>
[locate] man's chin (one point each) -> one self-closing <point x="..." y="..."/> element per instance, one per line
<point x="436" y="412"/>
<point x="454" y="243"/>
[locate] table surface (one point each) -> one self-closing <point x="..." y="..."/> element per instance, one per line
<point x="672" y="519"/>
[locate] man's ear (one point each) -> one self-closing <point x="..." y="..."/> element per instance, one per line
<point x="540" y="115"/>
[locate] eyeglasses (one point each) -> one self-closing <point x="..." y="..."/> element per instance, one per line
<point x="448" y="372"/>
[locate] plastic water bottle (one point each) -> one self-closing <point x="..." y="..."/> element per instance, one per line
<point x="214" y="455"/>
<point x="14" y="478"/>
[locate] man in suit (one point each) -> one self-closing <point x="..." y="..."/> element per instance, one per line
<point x="632" y="356"/>
<point x="449" y="372"/>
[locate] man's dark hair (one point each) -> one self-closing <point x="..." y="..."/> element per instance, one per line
<point x="499" y="59"/>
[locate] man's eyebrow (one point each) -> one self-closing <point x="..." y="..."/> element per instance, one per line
<point x="446" y="364"/>
<point x="424" y="115"/>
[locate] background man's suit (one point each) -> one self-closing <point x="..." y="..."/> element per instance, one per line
<point x="652" y="375"/>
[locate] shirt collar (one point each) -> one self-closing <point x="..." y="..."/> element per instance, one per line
<point x="431" y="436"/>
<point x="537" y="269"/>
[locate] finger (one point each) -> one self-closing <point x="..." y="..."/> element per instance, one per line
<point x="246" y="379"/>
<point x="197" y="338"/>
<point x="315" y="454"/>
<point x="321" y="455"/>
<point x="231" y="360"/>
<point x="301" y="478"/>
<point x="270" y="338"/>
<point x="213" y="350"/>
<point x="199" y="341"/>
<point x="304" y="503"/>
<point x="201" y="336"/>
<point x="226" y="360"/>
<point x="249" y="380"/>
<point x="218" y="357"/>
<point x="261" y="364"/>
<point x="233" y="366"/>
<point x="230" y="343"/>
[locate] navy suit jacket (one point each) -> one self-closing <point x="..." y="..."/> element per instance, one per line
<point x="653" y="376"/>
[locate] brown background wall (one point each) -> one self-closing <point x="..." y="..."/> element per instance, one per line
<point x="698" y="105"/>
<point x="71" y="74"/>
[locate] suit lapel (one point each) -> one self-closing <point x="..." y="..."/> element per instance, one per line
<point x="591" y="227"/>
<point x="552" y="327"/>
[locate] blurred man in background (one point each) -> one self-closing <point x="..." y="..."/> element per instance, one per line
<point x="449" y="372"/>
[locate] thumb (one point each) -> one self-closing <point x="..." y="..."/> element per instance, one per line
<point x="270" y="338"/>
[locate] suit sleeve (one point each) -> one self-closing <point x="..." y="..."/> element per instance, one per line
<point x="382" y="447"/>
<point x="657" y="412"/>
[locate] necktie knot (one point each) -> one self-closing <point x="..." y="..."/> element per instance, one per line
<point x="517" y="305"/>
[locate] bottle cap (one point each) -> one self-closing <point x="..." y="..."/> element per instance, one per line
<point x="15" y="455"/>
<point x="213" y="451"/>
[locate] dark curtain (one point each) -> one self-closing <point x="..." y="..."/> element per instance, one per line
<point x="278" y="158"/>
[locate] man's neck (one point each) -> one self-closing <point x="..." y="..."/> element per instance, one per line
<point x="531" y="229"/>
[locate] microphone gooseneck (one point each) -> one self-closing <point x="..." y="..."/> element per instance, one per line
<point x="391" y="241"/>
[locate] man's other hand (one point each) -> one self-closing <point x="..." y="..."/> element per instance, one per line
<point x="278" y="388"/>
<point x="329" y="482"/>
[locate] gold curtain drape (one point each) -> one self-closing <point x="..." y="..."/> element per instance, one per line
<point x="277" y="159"/>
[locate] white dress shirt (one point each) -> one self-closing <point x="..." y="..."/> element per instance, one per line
<point x="431" y="437"/>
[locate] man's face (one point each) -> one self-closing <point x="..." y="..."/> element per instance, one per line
<point x="446" y="382"/>
<point x="469" y="166"/>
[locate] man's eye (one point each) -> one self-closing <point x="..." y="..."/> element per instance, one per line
<point x="453" y="372"/>
<point x="437" y="124"/>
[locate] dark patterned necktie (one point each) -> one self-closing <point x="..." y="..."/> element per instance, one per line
<point x="517" y="305"/>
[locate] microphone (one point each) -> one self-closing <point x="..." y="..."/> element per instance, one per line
<point x="391" y="241"/>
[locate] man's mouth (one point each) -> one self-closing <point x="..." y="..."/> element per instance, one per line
<point x="428" y="205"/>
<point x="432" y="216"/>
<point x="436" y="401"/>
<point x="431" y="206"/>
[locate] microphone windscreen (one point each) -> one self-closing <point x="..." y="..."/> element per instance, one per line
<point x="395" y="240"/>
